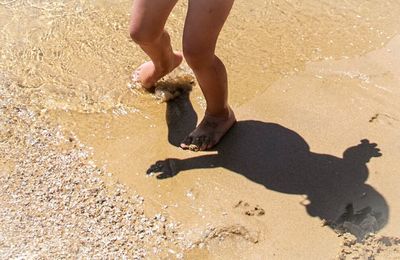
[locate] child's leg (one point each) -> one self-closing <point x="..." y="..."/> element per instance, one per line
<point x="203" y="24"/>
<point x="147" y="29"/>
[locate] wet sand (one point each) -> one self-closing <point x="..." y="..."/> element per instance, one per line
<point x="314" y="87"/>
<point x="299" y="155"/>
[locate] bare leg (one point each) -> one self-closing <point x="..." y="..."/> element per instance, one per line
<point x="147" y="29"/>
<point x="203" y="24"/>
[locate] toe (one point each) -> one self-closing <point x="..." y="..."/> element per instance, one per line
<point x="205" y="143"/>
<point x="187" y="142"/>
<point x="212" y="142"/>
<point x="196" y="144"/>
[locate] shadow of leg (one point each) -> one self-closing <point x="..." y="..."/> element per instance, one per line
<point x="181" y="118"/>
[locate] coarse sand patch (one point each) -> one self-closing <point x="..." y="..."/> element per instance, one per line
<point x="55" y="203"/>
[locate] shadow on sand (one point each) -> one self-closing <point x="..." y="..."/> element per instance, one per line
<point x="281" y="160"/>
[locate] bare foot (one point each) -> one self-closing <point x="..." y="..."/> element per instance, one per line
<point x="147" y="74"/>
<point x="209" y="132"/>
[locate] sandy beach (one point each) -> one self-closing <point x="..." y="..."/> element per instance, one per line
<point x="91" y="168"/>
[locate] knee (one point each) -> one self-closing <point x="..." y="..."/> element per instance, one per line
<point x="197" y="55"/>
<point x="142" y="36"/>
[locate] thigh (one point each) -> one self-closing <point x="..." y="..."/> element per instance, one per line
<point x="204" y="22"/>
<point x="150" y="15"/>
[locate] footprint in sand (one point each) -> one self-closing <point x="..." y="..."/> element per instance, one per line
<point x="384" y="118"/>
<point x="249" y="210"/>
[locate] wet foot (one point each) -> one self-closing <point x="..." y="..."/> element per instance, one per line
<point x="209" y="132"/>
<point x="147" y="74"/>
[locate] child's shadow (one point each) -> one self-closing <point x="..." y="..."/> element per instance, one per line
<point x="281" y="160"/>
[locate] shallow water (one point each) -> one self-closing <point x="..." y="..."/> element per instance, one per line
<point x="74" y="59"/>
<point x="77" y="55"/>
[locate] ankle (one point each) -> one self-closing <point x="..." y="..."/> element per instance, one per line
<point x="224" y="112"/>
<point x="167" y="64"/>
<point x="161" y="68"/>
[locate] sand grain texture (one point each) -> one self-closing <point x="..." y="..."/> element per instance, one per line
<point x="54" y="202"/>
<point x="90" y="167"/>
